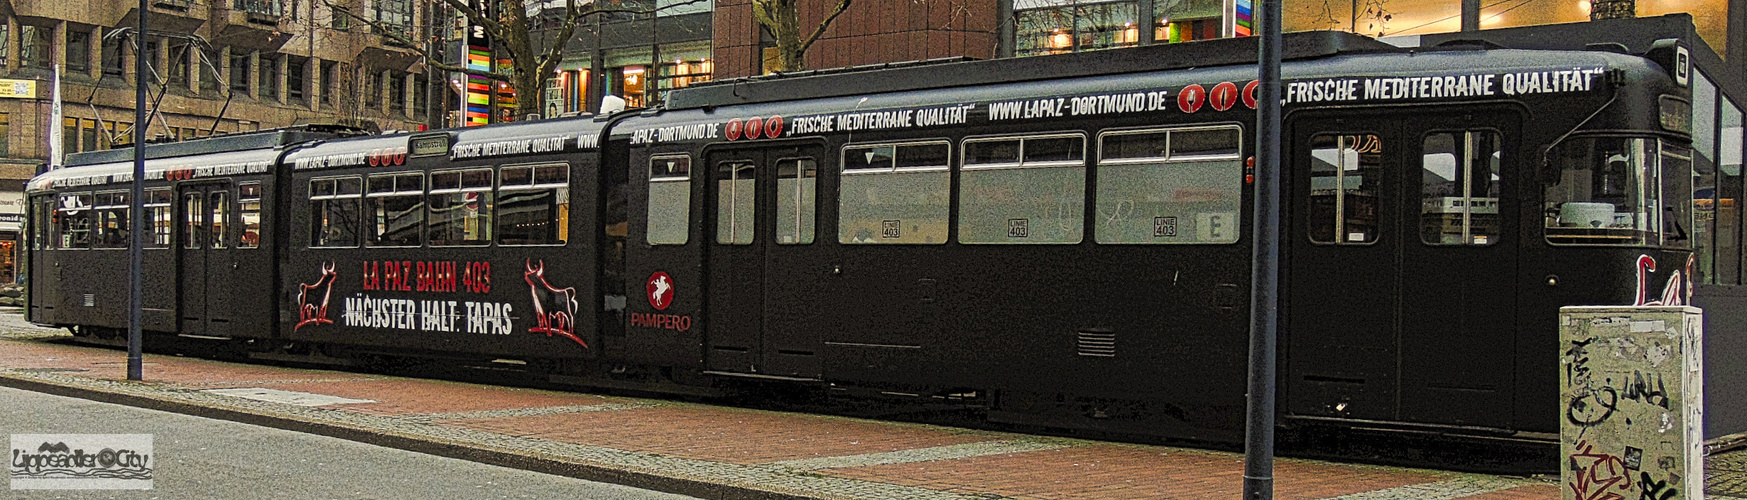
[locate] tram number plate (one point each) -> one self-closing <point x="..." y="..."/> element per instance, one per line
<point x="1018" y="228"/>
<point x="890" y="229"/>
<point x="1164" y="227"/>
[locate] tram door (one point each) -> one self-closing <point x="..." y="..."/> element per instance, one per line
<point x="45" y="270"/>
<point x="1401" y="265"/>
<point x="762" y="206"/>
<point x="205" y="255"/>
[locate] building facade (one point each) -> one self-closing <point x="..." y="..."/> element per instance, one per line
<point x="217" y="67"/>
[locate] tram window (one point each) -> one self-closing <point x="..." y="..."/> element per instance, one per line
<point x="533" y="205"/>
<point x="736" y="185"/>
<point x="1459" y="188"/>
<point x="191" y="213"/>
<point x="220" y="219"/>
<point x="40" y="222"/>
<point x="1169" y="186"/>
<point x="157" y="204"/>
<point x="1677" y="182"/>
<point x="1344" y="174"/>
<point x="895" y="193"/>
<point x="796" y="181"/>
<point x="334" y="211"/>
<point x="670" y="200"/>
<point x="249" y="210"/>
<point x="73" y="218"/>
<point x="460" y="207"/>
<point x="1607" y="192"/>
<point x="1038" y="199"/>
<point x="111" y="211"/>
<point x="396" y="205"/>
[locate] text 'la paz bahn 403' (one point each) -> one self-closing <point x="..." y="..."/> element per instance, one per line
<point x="1060" y="241"/>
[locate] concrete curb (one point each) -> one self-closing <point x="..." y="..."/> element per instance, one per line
<point x="463" y="451"/>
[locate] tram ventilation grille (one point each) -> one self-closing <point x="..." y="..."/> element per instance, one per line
<point x="90" y="300"/>
<point x="1097" y="342"/>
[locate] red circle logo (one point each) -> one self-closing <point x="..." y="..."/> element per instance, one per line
<point x="1250" y="93"/>
<point x="1191" y="98"/>
<point x="754" y="127"/>
<point x="1224" y="96"/>
<point x="734" y="129"/>
<point x="660" y="290"/>
<point x="773" y="127"/>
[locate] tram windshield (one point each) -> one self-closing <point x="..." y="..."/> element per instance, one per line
<point x="1619" y="191"/>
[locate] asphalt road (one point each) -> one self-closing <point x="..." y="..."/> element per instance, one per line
<point x="215" y="459"/>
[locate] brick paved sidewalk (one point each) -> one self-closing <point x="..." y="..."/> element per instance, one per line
<point x="701" y="450"/>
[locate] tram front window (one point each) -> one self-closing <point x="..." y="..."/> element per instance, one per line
<point x="1610" y="191"/>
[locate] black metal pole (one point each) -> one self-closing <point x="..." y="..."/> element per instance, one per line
<point x="1265" y="283"/>
<point x="135" y="283"/>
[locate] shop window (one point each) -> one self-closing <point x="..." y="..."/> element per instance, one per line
<point x="1058" y="26"/>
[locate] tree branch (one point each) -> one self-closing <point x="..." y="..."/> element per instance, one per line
<point x="817" y="32"/>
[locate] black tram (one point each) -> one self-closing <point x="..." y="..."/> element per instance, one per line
<point x="1061" y="241"/>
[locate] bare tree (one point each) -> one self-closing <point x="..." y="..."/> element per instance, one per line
<point x="512" y="32"/>
<point x="784" y="22"/>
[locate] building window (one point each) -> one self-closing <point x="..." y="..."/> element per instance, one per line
<point x="375" y="95"/>
<point x="270" y="8"/>
<point x="270" y="78"/>
<point x="327" y="82"/>
<point x="1188" y="20"/>
<point x="5" y="133"/>
<point x="239" y="71"/>
<point x="179" y="62"/>
<point x="294" y="78"/>
<point x="397" y="93"/>
<point x="421" y="99"/>
<point x="1057" y="26"/>
<point x="394" y="16"/>
<point x="34" y="50"/>
<point x="78" y="50"/>
<point x="112" y="60"/>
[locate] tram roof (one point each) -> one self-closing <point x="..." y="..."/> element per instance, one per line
<point x="216" y="164"/>
<point x="922" y="75"/>
<point x="264" y="139"/>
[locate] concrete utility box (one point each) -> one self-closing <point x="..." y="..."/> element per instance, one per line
<point x="1631" y="397"/>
